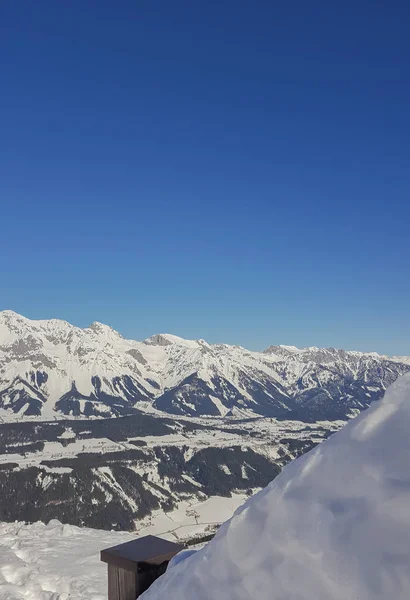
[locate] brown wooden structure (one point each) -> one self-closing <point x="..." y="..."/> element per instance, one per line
<point x="133" y="566"/>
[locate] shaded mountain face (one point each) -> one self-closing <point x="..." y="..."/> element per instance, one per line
<point x="52" y="369"/>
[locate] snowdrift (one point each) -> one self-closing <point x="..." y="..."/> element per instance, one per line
<point x="335" y="525"/>
<point x="54" y="561"/>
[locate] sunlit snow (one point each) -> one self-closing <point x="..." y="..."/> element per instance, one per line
<point x="335" y="525"/>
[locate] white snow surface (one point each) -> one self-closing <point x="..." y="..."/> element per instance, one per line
<point x="190" y="519"/>
<point x="62" y="562"/>
<point x="54" y="561"/>
<point x="335" y="525"/>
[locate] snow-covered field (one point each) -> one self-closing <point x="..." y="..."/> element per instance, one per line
<point x="335" y="525"/>
<point x="190" y="519"/>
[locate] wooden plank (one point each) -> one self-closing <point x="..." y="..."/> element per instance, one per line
<point x="130" y="565"/>
<point x="148" y="549"/>
<point x="122" y="584"/>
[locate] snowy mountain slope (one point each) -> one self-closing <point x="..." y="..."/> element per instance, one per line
<point x="51" y="369"/>
<point x="335" y="524"/>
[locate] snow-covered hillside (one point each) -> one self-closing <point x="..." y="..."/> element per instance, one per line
<point x="334" y="525"/>
<point x="51" y="369"/>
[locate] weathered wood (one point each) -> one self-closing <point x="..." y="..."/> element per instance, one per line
<point x="133" y="566"/>
<point x="148" y="549"/>
<point x="122" y="584"/>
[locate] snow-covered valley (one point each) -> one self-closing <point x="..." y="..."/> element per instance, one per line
<point x="122" y="473"/>
<point x="334" y="524"/>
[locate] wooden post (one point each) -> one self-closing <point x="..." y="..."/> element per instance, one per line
<point x="122" y="584"/>
<point x="133" y="566"/>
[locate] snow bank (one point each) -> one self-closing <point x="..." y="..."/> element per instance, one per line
<point x="54" y="561"/>
<point x="62" y="562"/>
<point x="335" y="525"/>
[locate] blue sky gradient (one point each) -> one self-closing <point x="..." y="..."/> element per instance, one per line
<point x="233" y="171"/>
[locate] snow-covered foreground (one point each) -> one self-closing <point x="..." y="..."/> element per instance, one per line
<point x="335" y="525"/>
<point x="54" y="561"/>
<point x="62" y="562"/>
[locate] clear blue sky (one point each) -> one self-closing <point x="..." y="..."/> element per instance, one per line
<point x="236" y="171"/>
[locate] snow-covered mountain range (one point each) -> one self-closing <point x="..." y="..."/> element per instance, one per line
<point x="112" y="433"/>
<point x="51" y="369"/>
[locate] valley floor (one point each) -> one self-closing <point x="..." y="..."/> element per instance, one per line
<point x="192" y="519"/>
<point x="144" y="471"/>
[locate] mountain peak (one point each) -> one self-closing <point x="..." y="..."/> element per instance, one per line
<point x="176" y="375"/>
<point x="13" y="317"/>
<point x="10" y="314"/>
<point x="168" y="339"/>
<point x="98" y="327"/>
<point x="282" y="350"/>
